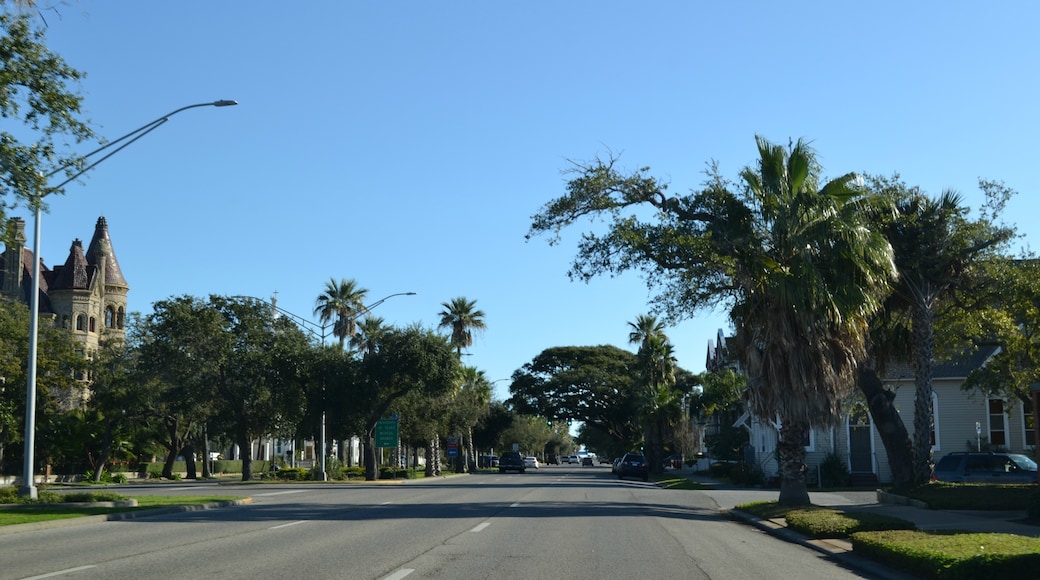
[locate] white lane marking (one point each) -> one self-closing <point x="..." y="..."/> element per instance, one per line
<point x="386" y="503"/>
<point x="481" y="527"/>
<point x="280" y="492"/>
<point x="60" y="572"/>
<point x="286" y="525"/>
<point x="400" y="574"/>
<point x="515" y="505"/>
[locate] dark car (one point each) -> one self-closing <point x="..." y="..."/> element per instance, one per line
<point x="968" y="467"/>
<point x="587" y="460"/>
<point x="511" y="461"/>
<point x="633" y="465"/>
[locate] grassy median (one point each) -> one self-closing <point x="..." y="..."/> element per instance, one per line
<point x="55" y="506"/>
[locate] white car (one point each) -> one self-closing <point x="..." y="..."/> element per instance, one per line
<point x="570" y="459"/>
<point x="531" y="462"/>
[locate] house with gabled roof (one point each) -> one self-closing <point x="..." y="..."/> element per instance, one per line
<point x="963" y="421"/>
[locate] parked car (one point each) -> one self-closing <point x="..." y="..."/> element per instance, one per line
<point x="531" y="462"/>
<point x="571" y="459"/>
<point x="973" y="467"/>
<point x="511" y="461"/>
<point x="615" y="464"/>
<point x="673" y="461"/>
<point x="587" y="461"/>
<point x="552" y="460"/>
<point x="633" y="465"/>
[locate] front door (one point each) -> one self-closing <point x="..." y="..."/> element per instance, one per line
<point x="861" y="452"/>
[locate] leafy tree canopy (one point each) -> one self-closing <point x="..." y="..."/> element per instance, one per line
<point x="36" y="89"/>
<point x="591" y="384"/>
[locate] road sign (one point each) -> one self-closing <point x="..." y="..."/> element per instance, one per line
<point x="453" y="447"/>
<point x="386" y="433"/>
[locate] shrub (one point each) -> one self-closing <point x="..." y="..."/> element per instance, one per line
<point x="951" y="496"/>
<point x="833" y="472"/>
<point x="831" y="523"/>
<point x="952" y="554"/>
<point x="1033" y="507"/>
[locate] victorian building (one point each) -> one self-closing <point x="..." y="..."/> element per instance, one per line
<point x="87" y="294"/>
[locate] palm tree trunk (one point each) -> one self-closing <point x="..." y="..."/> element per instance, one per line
<point x="924" y="347"/>
<point x="791" y="456"/>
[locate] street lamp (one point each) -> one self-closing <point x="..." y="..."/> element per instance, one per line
<point x="28" y="488"/>
<point x="313" y="328"/>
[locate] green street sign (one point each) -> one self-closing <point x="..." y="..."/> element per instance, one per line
<point x="386" y="433"/>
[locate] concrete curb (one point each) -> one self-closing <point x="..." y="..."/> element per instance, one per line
<point x="69" y="522"/>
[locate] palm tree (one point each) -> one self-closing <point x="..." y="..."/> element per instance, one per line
<point x="660" y="404"/>
<point x="461" y="316"/>
<point x="645" y="327"/>
<point x="474" y="398"/>
<point x="935" y="247"/>
<point x="810" y="273"/>
<point x="369" y="332"/>
<point x="341" y="302"/>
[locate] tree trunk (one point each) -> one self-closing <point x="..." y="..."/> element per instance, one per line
<point x="106" y="452"/>
<point x="889" y="425"/>
<point x="791" y="455"/>
<point x="429" y="458"/>
<point x="189" y="461"/>
<point x="173" y="446"/>
<point x="371" y="470"/>
<point x="245" y="447"/>
<point x="924" y="348"/>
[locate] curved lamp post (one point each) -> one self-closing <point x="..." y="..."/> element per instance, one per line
<point x="319" y="331"/>
<point x="28" y="488"/>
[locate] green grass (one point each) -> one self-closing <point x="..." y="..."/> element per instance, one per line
<point x="679" y="483"/>
<point x="48" y="507"/>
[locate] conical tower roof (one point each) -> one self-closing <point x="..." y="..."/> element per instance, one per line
<point x="74" y="274"/>
<point x="101" y="250"/>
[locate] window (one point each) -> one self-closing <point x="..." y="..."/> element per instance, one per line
<point x="120" y="318"/>
<point x="93" y="324"/>
<point x="1028" y="421"/>
<point x="997" y="422"/>
<point x="935" y="422"/>
<point x="110" y="317"/>
<point x="81" y="322"/>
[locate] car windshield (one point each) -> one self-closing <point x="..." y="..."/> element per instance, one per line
<point x="1023" y="462"/>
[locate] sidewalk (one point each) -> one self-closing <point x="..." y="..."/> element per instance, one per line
<point x="726" y="497"/>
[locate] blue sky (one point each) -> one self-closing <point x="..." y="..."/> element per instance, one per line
<point x="407" y="144"/>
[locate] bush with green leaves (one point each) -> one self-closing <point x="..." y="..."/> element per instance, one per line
<point x="1033" y="508"/>
<point x="833" y="472"/>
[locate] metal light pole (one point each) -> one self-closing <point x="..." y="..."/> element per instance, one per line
<point x="312" y="327"/>
<point x="28" y="488"/>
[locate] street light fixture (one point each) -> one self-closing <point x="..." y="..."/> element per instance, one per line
<point x="313" y="328"/>
<point x="28" y="488"/>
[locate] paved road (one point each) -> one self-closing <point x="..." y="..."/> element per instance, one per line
<point x="557" y="522"/>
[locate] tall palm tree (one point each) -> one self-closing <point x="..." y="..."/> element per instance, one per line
<point x="369" y="332"/>
<point x="935" y="247"/>
<point x="660" y="402"/>
<point x="645" y="327"/>
<point x="474" y="398"/>
<point x="810" y="273"/>
<point x="462" y="317"/>
<point x="341" y="302"/>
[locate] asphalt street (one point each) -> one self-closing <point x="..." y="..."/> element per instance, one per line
<point x="558" y="522"/>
